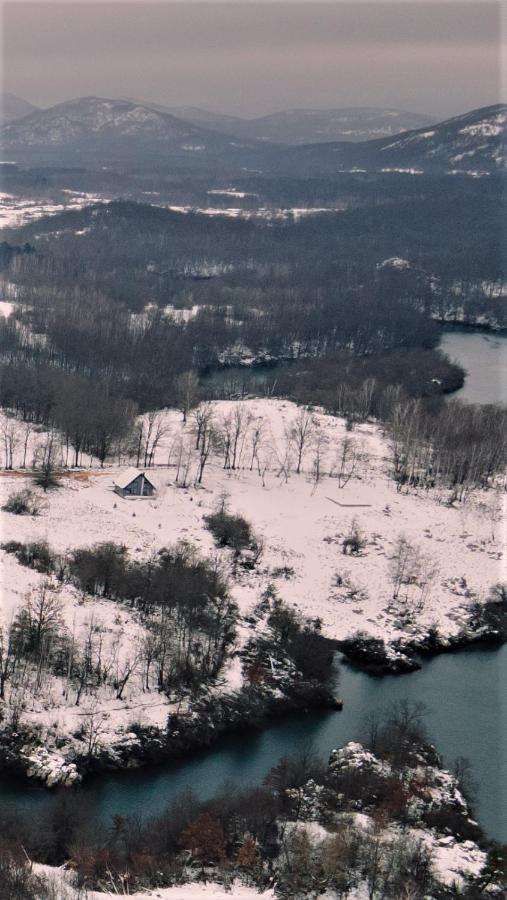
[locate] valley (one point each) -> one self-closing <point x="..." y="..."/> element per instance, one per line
<point x="258" y="320"/>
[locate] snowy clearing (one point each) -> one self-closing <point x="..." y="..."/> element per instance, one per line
<point x="18" y="211"/>
<point x="302" y="520"/>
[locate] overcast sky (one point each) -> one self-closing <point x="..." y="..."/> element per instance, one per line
<point x="252" y="58"/>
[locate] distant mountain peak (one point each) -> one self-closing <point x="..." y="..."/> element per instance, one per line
<point x="13" y="107"/>
<point x="90" y="128"/>
<point x="471" y="144"/>
<point x="305" y="125"/>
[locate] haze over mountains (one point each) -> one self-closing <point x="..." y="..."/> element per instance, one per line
<point x="91" y="129"/>
<point x="305" y="126"/>
<point x="473" y="143"/>
<point x="13" y="107"/>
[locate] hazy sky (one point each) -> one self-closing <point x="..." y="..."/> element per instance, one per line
<point x="252" y="57"/>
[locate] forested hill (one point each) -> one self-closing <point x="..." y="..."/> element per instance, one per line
<point x="473" y="143"/>
<point x="450" y="228"/>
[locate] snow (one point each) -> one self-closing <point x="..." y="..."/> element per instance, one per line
<point x="451" y="859"/>
<point x="483" y="129"/>
<point x="232" y="192"/>
<point x="62" y="880"/>
<point x="6" y="308"/>
<point x="129" y="475"/>
<point x="262" y="212"/>
<point x="394" y="262"/>
<point x="18" y="211"/>
<point x="403" y="171"/>
<point x="302" y="525"/>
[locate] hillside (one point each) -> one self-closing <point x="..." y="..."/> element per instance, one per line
<point x="89" y="128"/>
<point x="305" y="126"/>
<point x="473" y="144"/>
<point x="13" y="107"/>
<point x="458" y="554"/>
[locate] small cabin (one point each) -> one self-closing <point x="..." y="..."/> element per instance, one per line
<point x="134" y="483"/>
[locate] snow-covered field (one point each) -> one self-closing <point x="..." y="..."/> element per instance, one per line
<point x="62" y="882"/>
<point x="302" y="521"/>
<point x="18" y="211"/>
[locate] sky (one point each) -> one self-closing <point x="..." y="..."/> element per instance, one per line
<point x="252" y="58"/>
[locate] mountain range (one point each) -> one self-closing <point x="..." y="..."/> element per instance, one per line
<point x="292" y="126"/>
<point x="473" y="143"/>
<point x="91" y="129"/>
<point x="306" y="126"/>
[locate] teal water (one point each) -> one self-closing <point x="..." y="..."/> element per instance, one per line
<point x="467" y="716"/>
<point x="465" y="694"/>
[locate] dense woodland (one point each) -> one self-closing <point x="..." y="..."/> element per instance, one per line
<point x="124" y="307"/>
<point x="133" y="295"/>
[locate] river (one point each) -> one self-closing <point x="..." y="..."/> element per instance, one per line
<point x="484" y="356"/>
<point x="467" y="716"/>
<point x="464" y="692"/>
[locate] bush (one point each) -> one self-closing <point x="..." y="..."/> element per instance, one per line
<point x="230" y="531"/>
<point x="353" y="542"/>
<point x="22" y="503"/>
<point x="36" y="555"/>
<point x="300" y="638"/>
<point x="235" y="533"/>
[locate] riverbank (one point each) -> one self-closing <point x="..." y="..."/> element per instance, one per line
<point x="390" y="802"/>
<point x="487" y="627"/>
<point x="471" y="325"/>
<point x="204" y="722"/>
<point x="207" y="720"/>
<point x="304" y="522"/>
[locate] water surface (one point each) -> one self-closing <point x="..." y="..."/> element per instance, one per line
<point x="467" y="716"/>
<point x="484" y="356"/>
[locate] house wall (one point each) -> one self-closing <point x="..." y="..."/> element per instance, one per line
<point x="139" y="487"/>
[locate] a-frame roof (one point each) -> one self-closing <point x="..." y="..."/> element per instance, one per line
<point x="130" y="475"/>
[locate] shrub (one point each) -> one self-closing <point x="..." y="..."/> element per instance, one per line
<point x="310" y="651"/>
<point x="36" y="555"/>
<point x="230" y="531"/>
<point x="22" y="503"/>
<point x="235" y="533"/>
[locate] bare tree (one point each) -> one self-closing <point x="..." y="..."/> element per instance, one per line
<point x="93" y="727"/>
<point x="206" y="444"/>
<point x="187" y="392"/>
<point x="349" y="460"/>
<point x="27" y="432"/>
<point x="45" y="462"/>
<point x="11" y="437"/>
<point x="6" y="661"/>
<point x="302" y="431"/>
<point x="257" y="437"/>
<point x="44" y="612"/>
<point x="320" y="444"/>
<point x="124" y="672"/>
<point x="412" y="574"/>
<point x="202" y="416"/>
<point x="154" y="429"/>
